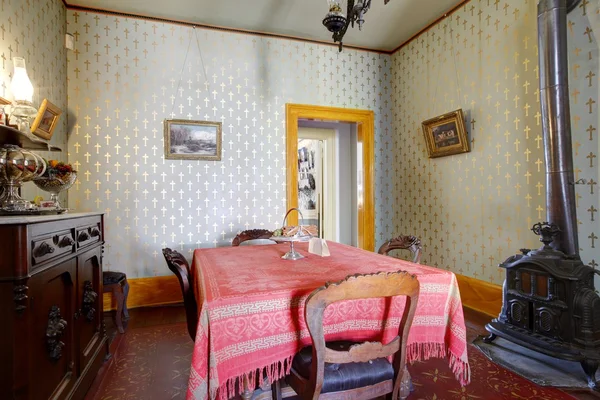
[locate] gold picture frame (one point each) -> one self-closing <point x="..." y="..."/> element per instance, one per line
<point x="446" y="135"/>
<point x="192" y="140"/>
<point x="46" y="120"/>
<point x="4" y="102"/>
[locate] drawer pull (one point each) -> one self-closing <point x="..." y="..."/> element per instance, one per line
<point x="54" y="332"/>
<point x="66" y="241"/>
<point x="43" y="249"/>
<point x="95" y="232"/>
<point x="83" y="236"/>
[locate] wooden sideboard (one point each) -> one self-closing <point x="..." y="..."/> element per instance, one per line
<point x="52" y="338"/>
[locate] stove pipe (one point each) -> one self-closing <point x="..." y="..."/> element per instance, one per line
<point x="556" y="121"/>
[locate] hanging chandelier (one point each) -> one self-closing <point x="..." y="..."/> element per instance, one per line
<point x="335" y="20"/>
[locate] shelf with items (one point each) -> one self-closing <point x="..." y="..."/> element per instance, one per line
<point x="24" y="140"/>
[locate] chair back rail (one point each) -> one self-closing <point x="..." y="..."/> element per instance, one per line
<point x="403" y="242"/>
<point x="251" y="234"/>
<point x="180" y="267"/>
<point x="382" y="284"/>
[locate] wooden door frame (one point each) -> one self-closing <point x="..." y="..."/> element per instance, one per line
<point x="365" y="122"/>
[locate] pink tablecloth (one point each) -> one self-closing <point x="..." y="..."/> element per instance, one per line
<point x="251" y="313"/>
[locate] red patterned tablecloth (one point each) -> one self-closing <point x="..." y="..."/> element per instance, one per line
<point x="251" y="313"/>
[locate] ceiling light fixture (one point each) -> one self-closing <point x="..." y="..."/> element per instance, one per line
<point x="335" y="20"/>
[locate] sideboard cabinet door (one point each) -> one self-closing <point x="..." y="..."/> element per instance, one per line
<point x="52" y="350"/>
<point x="89" y="305"/>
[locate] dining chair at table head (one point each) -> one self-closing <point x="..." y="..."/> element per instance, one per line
<point x="180" y="267"/>
<point x="253" y="234"/>
<point x="402" y="242"/>
<point x="348" y="370"/>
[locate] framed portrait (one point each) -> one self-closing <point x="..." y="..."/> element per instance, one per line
<point x="446" y="135"/>
<point x="192" y="140"/>
<point x="46" y="120"/>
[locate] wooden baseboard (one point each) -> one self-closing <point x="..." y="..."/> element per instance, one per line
<point x="145" y="292"/>
<point x="160" y="290"/>
<point x="479" y="295"/>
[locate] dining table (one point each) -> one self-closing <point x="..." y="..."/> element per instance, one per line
<point x="251" y="313"/>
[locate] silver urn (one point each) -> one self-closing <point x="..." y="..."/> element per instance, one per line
<point x="16" y="167"/>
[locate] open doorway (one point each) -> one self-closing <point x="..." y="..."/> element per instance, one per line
<point x="327" y="178"/>
<point x="363" y="143"/>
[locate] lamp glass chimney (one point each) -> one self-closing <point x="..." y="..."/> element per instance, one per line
<point x="20" y="85"/>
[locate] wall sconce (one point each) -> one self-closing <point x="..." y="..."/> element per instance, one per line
<point x="22" y="90"/>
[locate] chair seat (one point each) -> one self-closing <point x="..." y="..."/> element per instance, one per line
<point x="112" y="277"/>
<point x="339" y="377"/>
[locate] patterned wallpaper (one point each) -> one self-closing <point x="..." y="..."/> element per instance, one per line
<point x="471" y="210"/>
<point x="124" y="80"/>
<point x="584" y="71"/>
<point x="474" y="210"/>
<point x="35" y="30"/>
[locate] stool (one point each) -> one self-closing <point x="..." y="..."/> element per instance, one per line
<point x="116" y="283"/>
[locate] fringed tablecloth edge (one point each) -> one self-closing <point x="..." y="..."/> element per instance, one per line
<point x="425" y="351"/>
<point x="234" y="385"/>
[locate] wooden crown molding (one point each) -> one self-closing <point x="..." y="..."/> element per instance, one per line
<point x="260" y="33"/>
<point x="431" y="25"/>
<point x="218" y="28"/>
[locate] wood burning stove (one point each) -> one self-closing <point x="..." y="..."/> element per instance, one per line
<point x="549" y="301"/>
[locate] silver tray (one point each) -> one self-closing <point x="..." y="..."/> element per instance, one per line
<point x="53" y="211"/>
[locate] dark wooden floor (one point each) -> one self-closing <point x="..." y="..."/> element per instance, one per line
<point x="169" y="315"/>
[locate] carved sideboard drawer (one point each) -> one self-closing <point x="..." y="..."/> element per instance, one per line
<point x="88" y="235"/>
<point x="44" y="249"/>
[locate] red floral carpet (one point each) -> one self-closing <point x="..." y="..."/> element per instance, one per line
<point x="153" y="363"/>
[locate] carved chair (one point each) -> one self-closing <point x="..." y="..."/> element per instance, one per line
<point x="348" y="370"/>
<point x="251" y="234"/>
<point x="180" y="267"/>
<point x="116" y="283"/>
<point x="402" y="242"/>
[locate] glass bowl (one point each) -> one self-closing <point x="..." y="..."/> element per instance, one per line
<point x="56" y="184"/>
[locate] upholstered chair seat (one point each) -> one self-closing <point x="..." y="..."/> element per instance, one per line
<point x="348" y="376"/>
<point x="112" y="277"/>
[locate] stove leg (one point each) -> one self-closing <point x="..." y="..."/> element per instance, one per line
<point x="490" y="338"/>
<point x="590" y="367"/>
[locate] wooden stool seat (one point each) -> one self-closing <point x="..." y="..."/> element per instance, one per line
<point x="116" y="283"/>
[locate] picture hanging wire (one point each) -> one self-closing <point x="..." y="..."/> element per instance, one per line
<point x="195" y="34"/>
<point x="458" y="90"/>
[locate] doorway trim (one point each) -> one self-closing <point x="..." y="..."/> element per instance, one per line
<point x="365" y="122"/>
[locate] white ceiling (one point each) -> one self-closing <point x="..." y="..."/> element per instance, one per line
<point x="385" y="28"/>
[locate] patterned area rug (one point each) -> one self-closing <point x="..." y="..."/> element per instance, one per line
<point x="153" y="364"/>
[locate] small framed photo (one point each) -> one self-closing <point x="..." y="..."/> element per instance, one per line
<point x="446" y="135"/>
<point x="192" y="140"/>
<point x="46" y="120"/>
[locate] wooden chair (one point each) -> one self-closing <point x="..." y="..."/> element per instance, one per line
<point x="116" y="283"/>
<point x="347" y="370"/>
<point x="411" y="243"/>
<point x="180" y="267"/>
<point x="251" y="234"/>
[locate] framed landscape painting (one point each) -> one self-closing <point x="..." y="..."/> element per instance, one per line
<point x="192" y="140"/>
<point x="446" y="135"/>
